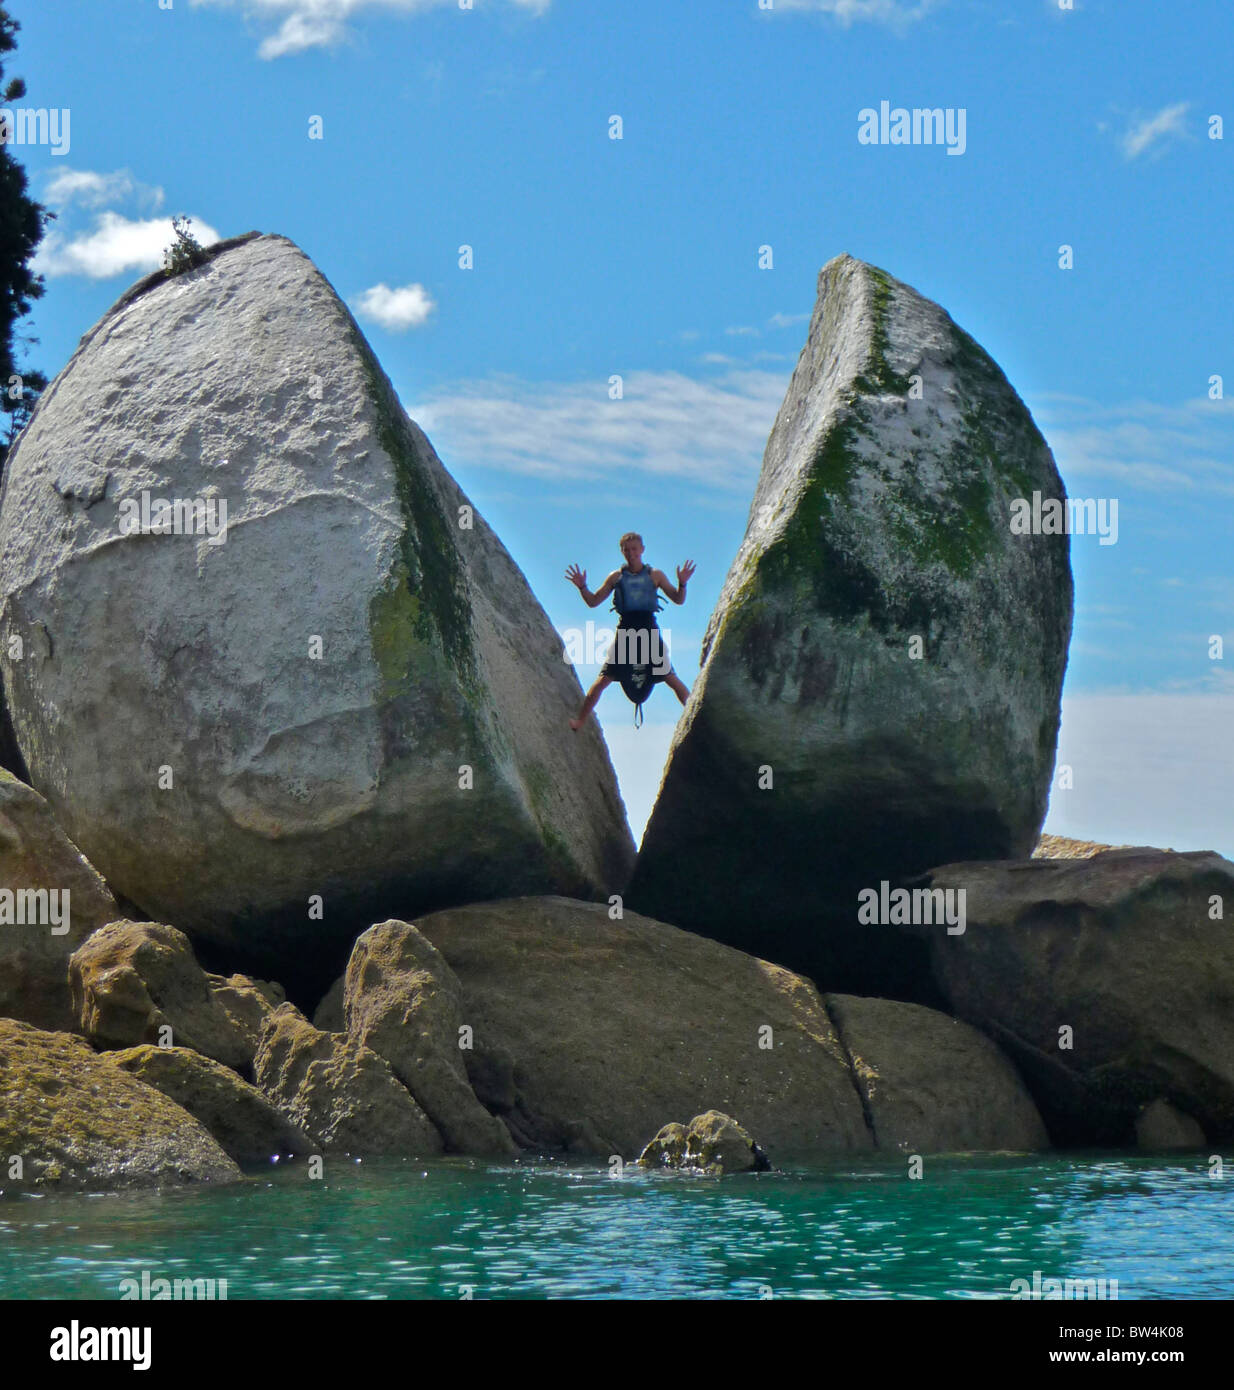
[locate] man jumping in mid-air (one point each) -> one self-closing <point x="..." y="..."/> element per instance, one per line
<point x="636" y="584"/>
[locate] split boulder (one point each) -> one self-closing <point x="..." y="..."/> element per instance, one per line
<point x="343" y="702"/>
<point x="881" y="676"/>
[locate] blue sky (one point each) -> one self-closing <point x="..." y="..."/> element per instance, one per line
<point x="1086" y="126"/>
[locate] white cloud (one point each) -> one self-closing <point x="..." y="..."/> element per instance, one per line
<point x="710" y="432"/>
<point x="94" y="190"/>
<point x="398" y="310"/>
<point x="305" y="24"/>
<point x="895" y="13"/>
<point x="1153" y="131"/>
<point x="116" y="244"/>
<point x="742" y="330"/>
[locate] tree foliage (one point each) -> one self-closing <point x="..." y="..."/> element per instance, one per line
<point x="22" y="223"/>
<point x="186" y="251"/>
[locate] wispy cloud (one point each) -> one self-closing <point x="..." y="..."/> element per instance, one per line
<point x="896" y="13"/>
<point x="787" y="320"/>
<point x="305" y="24"/>
<point x="91" y="189"/>
<point x="1185" y="449"/>
<point x="399" y="309"/>
<point x="115" y="244"/>
<point x="1153" y="132"/>
<point x="711" y="432"/>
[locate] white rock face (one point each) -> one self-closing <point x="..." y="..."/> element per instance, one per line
<point x="231" y="728"/>
<point x="882" y="672"/>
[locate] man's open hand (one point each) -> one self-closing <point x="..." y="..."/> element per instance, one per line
<point x="578" y="577"/>
<point x="684" y="572"/>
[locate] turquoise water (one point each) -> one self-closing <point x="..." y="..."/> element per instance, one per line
<point x="388" y="1229"/>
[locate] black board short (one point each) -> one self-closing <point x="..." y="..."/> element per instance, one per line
<point x="637" y="649"/>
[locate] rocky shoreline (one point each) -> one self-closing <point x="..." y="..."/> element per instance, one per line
<point x="297" y="857"/>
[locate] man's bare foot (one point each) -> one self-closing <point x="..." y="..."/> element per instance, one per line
<point x="576" y="724"/>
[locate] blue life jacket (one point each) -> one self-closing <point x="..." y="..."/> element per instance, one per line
<point x="635" y="593"/>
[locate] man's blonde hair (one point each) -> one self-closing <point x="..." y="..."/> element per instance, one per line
<point x="630" y="536"/>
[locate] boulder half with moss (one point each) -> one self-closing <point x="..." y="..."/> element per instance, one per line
<point x="881" y="676"/>
<point x="278" y="679"/>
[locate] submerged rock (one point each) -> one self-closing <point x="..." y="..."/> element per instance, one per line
<point x="601" y="1027"/>
<point x="880" y="679"/>
<point x="139" y="982"/>
<point x="347" y="693"/>
<point x="712" y="1144"/>
<point x="402" y="1000"/>
<point x="1108" y="980"/>
<point x="244" y="1122"/>
<point x="75" y="1121"/>
<point x="42" y="869"/>
<point x="667" y="1149"/>
<point x="341" y="1093"/>
<point x="931" y="1084"/>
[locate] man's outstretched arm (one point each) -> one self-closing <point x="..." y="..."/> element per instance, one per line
<point x="578" y="578"/>
<point x="678" y="593"/>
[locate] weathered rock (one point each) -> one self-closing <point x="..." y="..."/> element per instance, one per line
<point x="132" y="980"/>
<point x="403" y="1000"/>
<point x="1060" y="847"/>
<point x="243" y="1121"/>
<point x="297" y="770"/>
<point x="76" y="1121"/>
<point x="1109" y="982"/>
<point x="712" y="1144"/>
<point x="611" y="1025"/>
<point x="247" y="1004"/>
<point x="338" y="1091"/>
<point x="329" y="1012"/>
<point x="931" y="1084"/>
<point x="880" y="679"/>
<point x="1159" y="1127"/>
<point x="37" y="856"/>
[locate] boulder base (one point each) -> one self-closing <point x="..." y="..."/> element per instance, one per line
<point x="593" y="1029"/>
<point x="1108" y="980"/>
